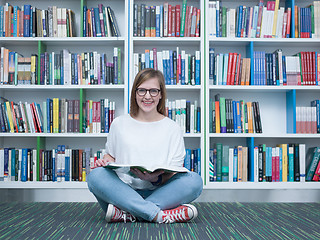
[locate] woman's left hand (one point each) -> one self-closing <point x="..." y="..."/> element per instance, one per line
<point x="151" y="177"/>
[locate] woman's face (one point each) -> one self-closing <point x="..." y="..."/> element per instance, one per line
<point x="148" y="96"/>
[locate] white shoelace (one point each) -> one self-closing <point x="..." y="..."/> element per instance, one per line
<point x="174" y="216"/>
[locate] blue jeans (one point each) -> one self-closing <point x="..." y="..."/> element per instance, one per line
<point x="107" y="187"/>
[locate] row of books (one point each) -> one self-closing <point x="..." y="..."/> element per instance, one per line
<point x="192" y="160"/>
<point x="166" y="20"/>
<point x="186" y="114"/>
<point x="57" y="116"/>
<point x="228" y="164"/>
<point x="100" y="22"/>
<point x="178" y="67"/>
<point x="58" y="164"/>
<point x="308" y="118"/>
<point x="228" y="116"/>
<point x="63" y="68"/>
<point x="29" y="21"/>
<point x="307" y="20"/>
<point x="268" y="68"/>
<point x="253" y="22"/>
<point x="228" y="69"/>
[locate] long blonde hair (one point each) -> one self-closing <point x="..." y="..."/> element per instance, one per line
<point x="141" y="77"/>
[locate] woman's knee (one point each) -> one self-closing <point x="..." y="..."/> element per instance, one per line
<point x="195" y="182"/>
<point x="95" y="176"/>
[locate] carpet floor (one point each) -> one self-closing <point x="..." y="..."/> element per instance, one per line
<point x="215" y="221"/>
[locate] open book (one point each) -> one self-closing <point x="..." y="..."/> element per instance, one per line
<point x="126" y="168"/>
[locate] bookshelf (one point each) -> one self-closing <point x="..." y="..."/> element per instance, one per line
<point x="277" y="121"/>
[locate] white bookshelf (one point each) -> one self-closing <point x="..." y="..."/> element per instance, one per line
<point x="271" y="98"/>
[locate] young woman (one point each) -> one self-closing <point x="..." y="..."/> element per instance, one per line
<point x="145" y="137"/>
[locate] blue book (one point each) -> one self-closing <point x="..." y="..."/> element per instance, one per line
<point x="238" y="117"/>
<point x="26" y="21"/>
<point x="225" y="68"/>
<point x="235" y="164"/>
<point x="147" y="57"/>
<point x="183" y="68"/>
<point x="164" y="62"/>
<point x="171" y="67"/>
<point x="198" y="151"/>
<point x="76" y="68"/>
<point x="93" y="22"/>
<point x="280" y="164"/>
<point x="61" y="69"/>
<point x="24" y="165"/>
<point x="67" y="165"/>
<point x="239" y="22"/>
<point x="234" y="108"/>
<point x="212" y="167"/>
<point x="1" y="22"/>
<point x="97" y="22"/>
<point x="13" y="164"/>
<point x="31" y="21"/>
<point x="158" y="21"/>
<point x="192" y="161"/>
<point x="197" y="69"/>
<point x="151" y="60"/>
<point x="195" y="161"/>
<point x="15" y="20"/>
<point x="284" y="70"/>
<point x="218" y="20"/>
<point x="291" y="163"/>
<point x="106" y="117"/>
<point x="84" y="21"/>
<point x="268" y="162"/>
<point x="211" y="65"/>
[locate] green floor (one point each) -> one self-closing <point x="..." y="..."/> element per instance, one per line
<point x="215" y="221"/>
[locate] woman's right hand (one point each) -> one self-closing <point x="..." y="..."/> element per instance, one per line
<point x="107" y="158"/>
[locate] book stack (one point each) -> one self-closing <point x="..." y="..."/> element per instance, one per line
<point x="251" y="22"/>
<point x="186" y="114"/>
<point x="228" y="116"/>
<point x="99" y="22"/>
<point x="307" y="21"/>
<point x="57" y="165"/>
<point x="166" y="20"/>
<point x="98" y="116"/>
<point x="28" y="21"/>
<point x="228" y="69"/>
<point x="57" y="116"/>
<point x="228" y="164"/>
<point x="192" y="160"/>
<point x="313" y="170"/>
<point x="307" y="118"/>
<point x="178" y="67"/>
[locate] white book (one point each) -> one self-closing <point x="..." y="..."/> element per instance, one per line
<point x="195" y="115"/>
<point x="270" y="23"/>
<point x="254" y="21"/>
<point x="161" y="19"/>
<point x="232" y="23"/>
<point x="63" y="166"/>
<point x="231" y="150"/>
<point x="24" y="119"/>
<point x="19" y="164"/>
<point x="309" y="119"/>
<point x="192" y="118"/>
<point x="143" y="58"/>
<point x="302" y="162"/>
<point x="55" y="21"/>
<point x="95" y="66"/>
<point x="173" y="110"/>
<point x="165" y="19"/>
<point x="313" y="119"/>
<point x="52" y="70"/>
<point x="160" y="61"/>
<point x="280" y="23"/>
<point x="280" y="67"/>
<point x="30" y="118"/>
<point x="264" y="22"/>
<point x="255" y="164"/>
<point x="135" y="64"/>
<point x="108" y="24"/>
<point x="64" y="22"/>
<point x="212" y="18"/>
<point x="59" y="18"/>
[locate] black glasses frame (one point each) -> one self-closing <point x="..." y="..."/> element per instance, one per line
<point x="148" y="90"/>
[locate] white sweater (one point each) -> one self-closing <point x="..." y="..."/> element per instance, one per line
<point x="146" y="144"/>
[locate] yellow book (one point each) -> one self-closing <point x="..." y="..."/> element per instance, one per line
<point x="33" y="69"/>
<point x="245" y="164"/>
<point x="56" y="115"/>
<point x="275" y="18"/>
<point x="10" y="117"/>
<point x="284" y="162"/>
<point x="217" y="111"/>
<point x="249" y="112"/>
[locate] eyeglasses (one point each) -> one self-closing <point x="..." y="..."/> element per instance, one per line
<point x="153" y="92"/>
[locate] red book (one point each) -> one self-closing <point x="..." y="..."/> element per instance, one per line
<point x="189" y="20"/>
<point x="34" y="119"/>
<point x="198" y="23"/>
<point x="169" y="20"/>
<point x="313" y="64"/>
<point x="277" y="160"/>
<point x="302" y="59"/>
<point x="288" y="22"/>
<point x="309" y="67"/>
<point x="178" y="20"/>
<point x="233" y="70"/>
<point x="238" y="70"/>
<point x="173" y="24"/>
<point x="36" y="116"/>
<point x="88" y="115"/>
<point x="230" y="61"/>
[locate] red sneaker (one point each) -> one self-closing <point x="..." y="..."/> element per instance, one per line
<point x="115" y="214"/>
<point x="183" y="213"/>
